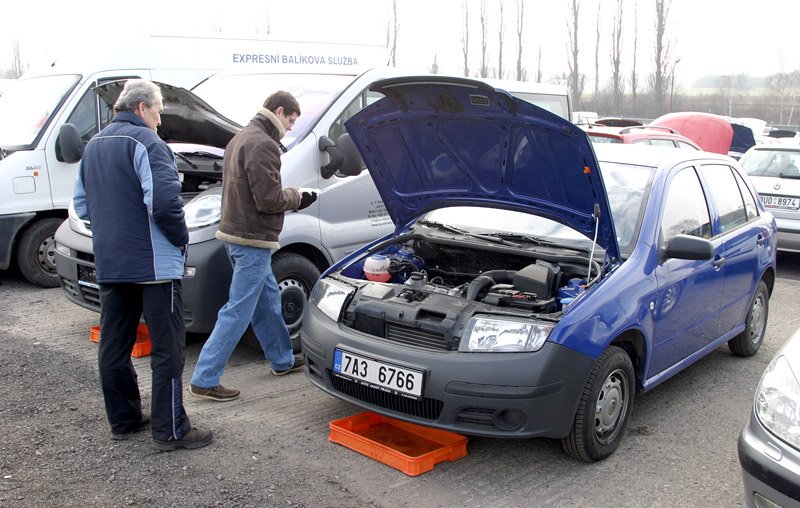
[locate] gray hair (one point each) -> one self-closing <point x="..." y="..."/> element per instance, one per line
<point x="136" y="91"/>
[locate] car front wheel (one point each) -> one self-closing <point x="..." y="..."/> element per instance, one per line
<point x="604" y="409"/>
<point x="296" y="277"/>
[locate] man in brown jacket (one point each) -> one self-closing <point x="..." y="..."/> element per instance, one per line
<point x="253" y="204"/>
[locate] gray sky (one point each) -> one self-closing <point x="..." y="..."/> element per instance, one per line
<point x="709" y="36"/>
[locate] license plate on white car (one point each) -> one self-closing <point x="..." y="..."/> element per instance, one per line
<point x="384" y="376"/>
<point x="781" y="202"/>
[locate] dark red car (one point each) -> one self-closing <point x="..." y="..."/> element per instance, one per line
<point x="643" y="134"/>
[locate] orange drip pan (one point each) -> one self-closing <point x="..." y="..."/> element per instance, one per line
<point x="142" y="347"/>
<point x="413" y="449"/>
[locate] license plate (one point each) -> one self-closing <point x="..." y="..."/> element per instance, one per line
<point x="87" y="276"/>
<point x="383" y="376"/>
<point x="782" y="202"/>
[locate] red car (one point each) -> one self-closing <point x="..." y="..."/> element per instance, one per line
<point x="643" y="134"/>
<point x="714" y="133"/>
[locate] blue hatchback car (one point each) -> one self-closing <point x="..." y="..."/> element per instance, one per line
<point x="533" y="286"/>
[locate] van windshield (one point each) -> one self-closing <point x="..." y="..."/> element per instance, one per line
<point x="240" y="96"/>
<point x="27" y="106"/>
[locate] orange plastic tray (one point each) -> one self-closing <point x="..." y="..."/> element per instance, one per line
<point x="142" y="347"/>
<point x="413" y="449"/>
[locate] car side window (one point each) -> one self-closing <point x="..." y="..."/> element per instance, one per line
<point x="662" y="142"/>
<point x="725" y="191"/>
<point x="749" y="201"/>
<point x="362" y="101"/>
<point x="685" y="145"/>
<point x="91" y="114"/>
<point x="685" y="208"/>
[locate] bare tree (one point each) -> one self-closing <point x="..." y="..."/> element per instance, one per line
<point x="392" y="28"/>
<point x="261" y="20"/>
<point x="520" y="25"/>
<point x="500" y="42"/>
<point x="539" y="66"/>
<point x="617" y="88"/>
<point x="16" y="59"/>
<point x="659" y="81"/>
<point x="634" y="74"/>
<point x="484" y="70"/>
<point x="574" y="79"/>
<point x="597" y="56"/>
<point x="465" y="38"/>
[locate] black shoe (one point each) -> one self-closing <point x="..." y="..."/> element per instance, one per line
<point x="218" y="393"/>
<point x="122" y="436"/>
<point x="195" y="438"/>
<point x="299" y="363"/>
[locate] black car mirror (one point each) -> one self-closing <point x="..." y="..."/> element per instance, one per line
<point x="688" y="247"/>
<point x="69" y="146"/>
<point x="335" y="157"/>
<point x="352" y="164"/>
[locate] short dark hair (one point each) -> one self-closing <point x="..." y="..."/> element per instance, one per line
<point x="285" y="99"/>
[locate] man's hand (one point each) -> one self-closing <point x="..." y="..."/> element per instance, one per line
<point x="306" y="198"/>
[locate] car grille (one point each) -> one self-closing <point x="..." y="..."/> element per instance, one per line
<point x="428" y="409"/>
<point x="477" y="417"/>
<point x="399" y="333"/>
<point x="76" y="292"/>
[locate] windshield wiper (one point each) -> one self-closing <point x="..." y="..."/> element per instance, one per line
<point x="186" y="160"/>
<point x="459" y="231"/>
<point x="543" y="241"/>
<point x="793" y="176"/>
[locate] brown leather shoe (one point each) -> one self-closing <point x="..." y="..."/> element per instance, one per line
<point x="195" y="438"/>
<point x="299" y="363"/>
<point x="218" y="393"/>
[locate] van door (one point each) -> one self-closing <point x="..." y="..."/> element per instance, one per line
<point x="351" y="211"/>
<point x="90" y="114"/>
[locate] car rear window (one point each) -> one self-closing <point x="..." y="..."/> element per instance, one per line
<point x="604" y="139"/>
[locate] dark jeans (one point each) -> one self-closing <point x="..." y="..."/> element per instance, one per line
<point x="122" y="305"/>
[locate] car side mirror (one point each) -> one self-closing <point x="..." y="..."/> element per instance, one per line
<point x="688" y="247"/>
<point x="335" y="157"/>
<point x="69" y="146"/>
<point x="352" y="164"/>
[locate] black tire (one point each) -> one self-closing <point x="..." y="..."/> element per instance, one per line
<point x="749" y="341"/>
<point x="296" y="277"/>
<point x="36" y="249"/>
<point x="610" y="388"/>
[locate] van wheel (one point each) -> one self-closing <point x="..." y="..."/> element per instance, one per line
<point x="604" y="409"/>
<point x="296" y="277"/>
<point x="749" y="341"/>
<point x="36" y="253"/>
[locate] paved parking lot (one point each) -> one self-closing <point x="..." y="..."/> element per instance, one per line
<point x="272" y="447"/>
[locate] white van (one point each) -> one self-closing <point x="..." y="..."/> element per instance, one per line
<point x="35" y="180"/>
<point x="348" y="214"/>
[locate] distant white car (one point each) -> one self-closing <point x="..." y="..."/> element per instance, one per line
<point x="775" y="172"/>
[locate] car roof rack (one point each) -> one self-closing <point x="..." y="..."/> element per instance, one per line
<point x="626" y="130"/>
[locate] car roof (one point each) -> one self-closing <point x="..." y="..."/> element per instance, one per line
<point x="652" y="156"/>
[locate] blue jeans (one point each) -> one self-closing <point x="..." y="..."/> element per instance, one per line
<point x="253" y="298"/>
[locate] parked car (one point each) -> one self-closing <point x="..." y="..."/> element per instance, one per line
<point x="773" y="169"/>
<point x="712" y="133"/>
<point x="769" y="446"/>
<point x="530" y="288"/>
<point x="644" y="134"/>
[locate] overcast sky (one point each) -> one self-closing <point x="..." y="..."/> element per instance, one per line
<point x="708" y="36"/>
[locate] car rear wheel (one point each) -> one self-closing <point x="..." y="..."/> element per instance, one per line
<point x="604" y="409"/>
<point x="296" y="277"/>
<point x="749" y="341"/>
<point x="36" y="253"/>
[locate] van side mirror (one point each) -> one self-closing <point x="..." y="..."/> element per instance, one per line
<point x="352" y="164"/>
<point x="335" y="157"/>
<point x="69" y="146"/>
<point x="688" y="247"/>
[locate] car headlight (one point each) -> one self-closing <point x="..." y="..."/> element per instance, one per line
<point x="329" y="297"/>
<point x="203" y="210"/>
<point x="778" y="401"/>
<point x="505" y="335"/>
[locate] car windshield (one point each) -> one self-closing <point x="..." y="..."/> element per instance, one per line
<point x="485" y="221"/>
<point x="775" y="163"/>
<point x="239" y="96"/>
<point x="627" y="187"/>
<point x="27" y="106"/>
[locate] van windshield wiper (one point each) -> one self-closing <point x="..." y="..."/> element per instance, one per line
<point x="543" y="241"/>
<point x="464" y="232"/>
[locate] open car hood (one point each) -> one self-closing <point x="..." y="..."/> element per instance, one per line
<point x="186" y="118"/>
<point x="435" y="142"/>
<point x="712" y="133"/>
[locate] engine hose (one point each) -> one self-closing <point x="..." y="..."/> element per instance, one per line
<point x="486" y="280"/>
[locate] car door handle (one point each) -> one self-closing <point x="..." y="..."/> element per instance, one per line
<point x="718" y="262"/>
<point x="761" y="240"/>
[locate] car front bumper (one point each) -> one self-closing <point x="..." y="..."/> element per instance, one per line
<point x="770" y="468"/>
<point x="483" y="394"/>
<point x="205" y="291"/>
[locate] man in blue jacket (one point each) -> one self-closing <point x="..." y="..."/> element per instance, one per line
<point x="128" y="188"/>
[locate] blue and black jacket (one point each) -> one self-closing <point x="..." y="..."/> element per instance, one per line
<point x="128" y="187"/>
